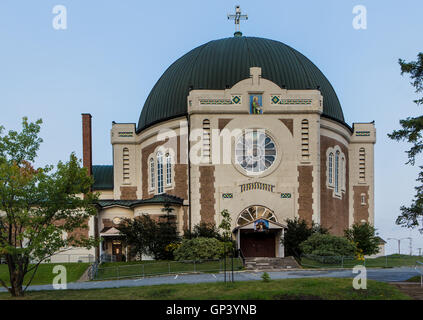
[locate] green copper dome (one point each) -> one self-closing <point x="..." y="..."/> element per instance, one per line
<point x="222" y="63"/>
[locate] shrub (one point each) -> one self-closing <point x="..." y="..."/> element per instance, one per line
<point x="265" y="277"/>
<point x="327" y="245"/>
<point x="298" y="231"/>
<point x="199" y="249"/>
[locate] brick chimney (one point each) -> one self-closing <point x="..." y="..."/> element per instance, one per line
<point x="87" y="149"/>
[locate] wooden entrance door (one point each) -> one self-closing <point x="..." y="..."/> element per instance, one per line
<point x="117" y="250"/>
<point x="258" y="244"/>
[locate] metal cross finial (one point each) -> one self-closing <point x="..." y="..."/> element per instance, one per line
<point x="237" y="17"/>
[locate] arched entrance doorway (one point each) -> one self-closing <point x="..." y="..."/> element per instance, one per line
<point x="258" y="233"/>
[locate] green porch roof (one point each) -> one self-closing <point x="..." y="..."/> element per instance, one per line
<point x="157" y="199"/>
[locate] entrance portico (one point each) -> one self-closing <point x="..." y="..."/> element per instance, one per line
<point x="260" y="238"/>
<point x="112" y="246"/>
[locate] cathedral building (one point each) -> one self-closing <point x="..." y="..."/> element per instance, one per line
<point x="245" y="124"/>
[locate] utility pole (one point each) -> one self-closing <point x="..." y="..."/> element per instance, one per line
<point x="399" y="243"/>
<point x="420" y="251"/>
<point x="411" y="245"/>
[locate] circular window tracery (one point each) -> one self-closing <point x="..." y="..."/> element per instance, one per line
<point x="255" y="152"/>
<point x="253" y="213"/>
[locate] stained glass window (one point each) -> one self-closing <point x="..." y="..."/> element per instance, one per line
<point x="255" y="212"/>
<point x="168" y="169"/>
<point x="159" y="172"/>
<point x="152" y="177"/>
<point x="255" y="152"/>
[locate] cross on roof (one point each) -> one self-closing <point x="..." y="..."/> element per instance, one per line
<point x="237" y="17"/>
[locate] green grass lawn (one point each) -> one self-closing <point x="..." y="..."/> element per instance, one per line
<point x="45" y="273"/>
<point x="287" y="289"/>
<point x="415" y="279"/>
<point x="394" y="260"/>
<point x="115" y="270"/>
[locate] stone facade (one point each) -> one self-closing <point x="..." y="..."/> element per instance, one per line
<point x="334" y="212"/>
<point x="207" y="191"/>
<point x="305" y="193"/>
<point x="128" y="193"/>
<point x="361" y="208"/>
<point x="295" y="184"/>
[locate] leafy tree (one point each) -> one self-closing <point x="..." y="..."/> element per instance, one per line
<point x="146" y="236"/>
<point x="225" y="225"/>
<point x="297" y="231"/>
<point x="412" y="132"/>
<point x="139" y="233"/>
<point x="168" y="210"/>
<point x="40" y="209"/>
<point x="327" y="245"/>
<point x="204" y="230"/>
<point x="167" y="233"/>
<point x="365" y="238"/>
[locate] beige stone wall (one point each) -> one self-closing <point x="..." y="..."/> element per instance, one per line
<point x="359" y="211"/>
<point x="283" y="124"/>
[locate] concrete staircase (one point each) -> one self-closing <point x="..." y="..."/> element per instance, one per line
<point x="271" y="264"/>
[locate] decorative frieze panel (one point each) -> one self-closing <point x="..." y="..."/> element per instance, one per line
<point x="227" y="195"/>
<point x="362" y="133"/>
<point x="237" y="99"/>
<point x="124" y="134"/>
<point x="257" y="186"/>
<point x="207" y="101"/>
<point x="277" y="99"/>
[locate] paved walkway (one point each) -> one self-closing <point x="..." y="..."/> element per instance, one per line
<point x="414" y="290"/>
<point x="386" y="275"/>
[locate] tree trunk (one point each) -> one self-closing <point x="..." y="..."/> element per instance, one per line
<point x="16" y="282"/>
<point x="16" y="275"/>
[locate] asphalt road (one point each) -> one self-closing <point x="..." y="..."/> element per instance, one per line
<point x="386" y="275"/>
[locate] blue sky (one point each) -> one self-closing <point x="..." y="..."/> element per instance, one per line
<point x="113" y="52"/>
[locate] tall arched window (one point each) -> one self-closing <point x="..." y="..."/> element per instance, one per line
<point x="341" y="173"/>
<point x="125" y="165"/>
<point x="330" y="169"/>
<point x="152" y="175"/>
<point x="168" y="169"/>
<point x="159" y="172"/>
<point x="337" y="172"/>
<point x="206" y="141"/>
<point x="305" y="152"/>
<point x="362" y="164"/>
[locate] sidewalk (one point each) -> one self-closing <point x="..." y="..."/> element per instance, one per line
<point x="386" y="275"/>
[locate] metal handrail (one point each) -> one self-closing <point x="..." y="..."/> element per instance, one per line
<point x="241" y="255"/>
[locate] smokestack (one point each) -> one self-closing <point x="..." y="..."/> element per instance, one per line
<point x="87" y="149"/>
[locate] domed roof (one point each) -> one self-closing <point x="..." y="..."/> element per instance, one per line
<point x="222" y="63"/>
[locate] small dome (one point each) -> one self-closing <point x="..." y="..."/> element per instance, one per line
<point x="222" y="63"/>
